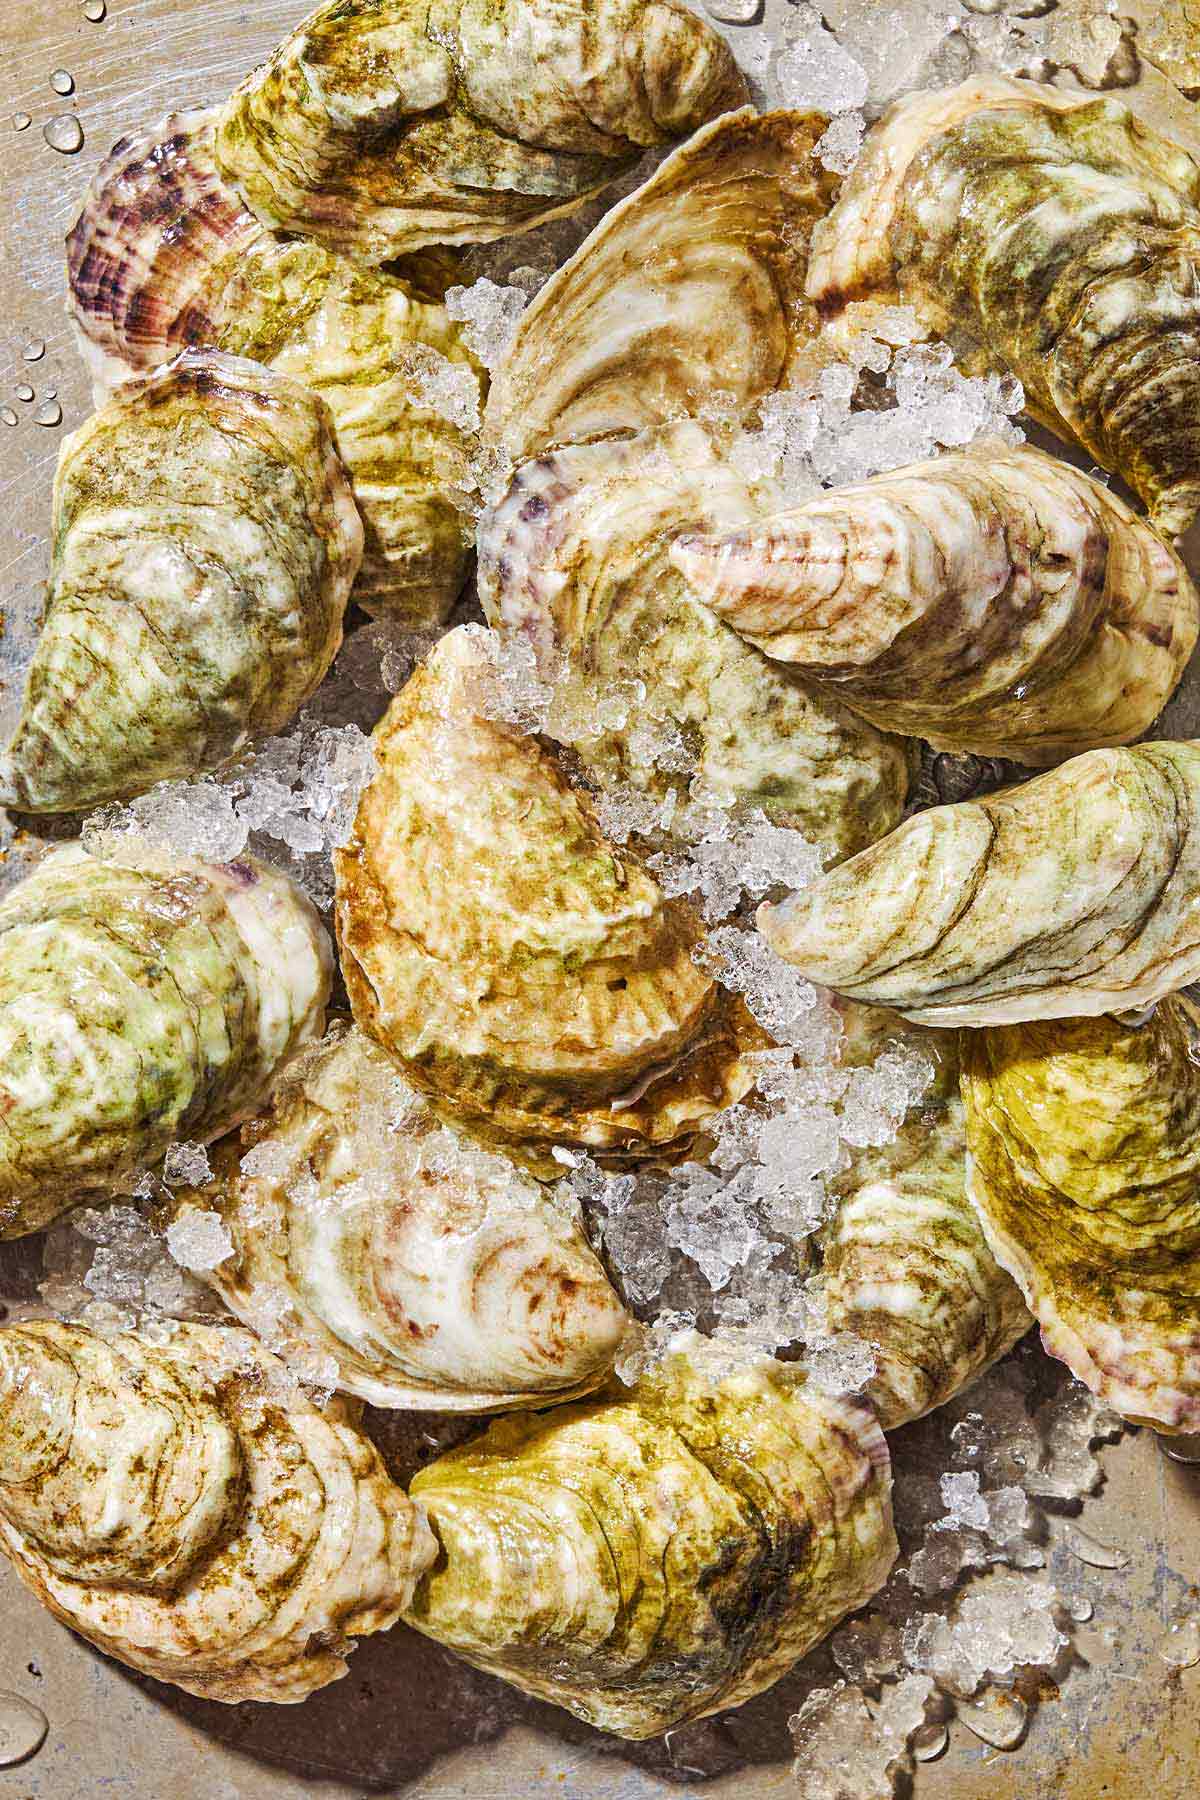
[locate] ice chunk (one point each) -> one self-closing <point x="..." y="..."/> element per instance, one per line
<point x="727" y="861"/>
<point x="489" y="313"/>
<point x="963" y="1501"/>
<point x="838" y="148"/>
<point x="849" y="1749"/>
<point x="1084" y="36"/>
<point x="893" y="45"/>
<point x="186" y="1165"/>
<point x="867" y="1649"/>
<point x="187" y="818"/>
<point x="198" y="1239"/>
<point x="450" y="389"/>
<point x="636" y="1246"/>
<point x="777" y="995"/>
<point x="814" y="72"/>
<point x="1002" y="1624"/>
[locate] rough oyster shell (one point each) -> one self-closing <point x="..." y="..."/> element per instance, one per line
<point x="575" y="556"/>
<point x="205" y="542"/>
<point x="379" y="126"/>
<point x="434" y="1273"/>
<point x="182" y="1509"/>
<point x="1072" y="894"/>
<point x="689" y="293"/>
<point x="1061" y="233"/>
<point x="141" y="1000"/>
<point x="1000" y="603"/>
<point x="651" y="1558"/>
<point x="1085" y="1145"/>
<point x="532" y="980"/>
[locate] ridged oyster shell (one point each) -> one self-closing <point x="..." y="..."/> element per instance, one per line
<point x="1085" y="1146"/>
<point x="655" y="1557"/>
<point x="994" y="602"/>
<point x="436" y="1274"/>
<point x="379" y="126"/>
<point x="205" y="542"/>
<point x="185" y="1512"/>
<point x="532" y="980"/>
<point x="1061" y="234"/>
<point x="142" y="1000"/>
<point x="575" y="557"/>
<point x="1072" y="894"/>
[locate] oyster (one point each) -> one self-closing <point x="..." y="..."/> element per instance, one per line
<point x="651" y="1558"/>
<point x="575" y="557"/>
<point x="379" y="126"/>
<point x="182" y="1509"/>
<point x="142" y="999"/>
<point x="435" y="1274"/>
<point x="531" y="979"/>
<point x="1072" y="894"/>
<point x="687" y="294"/>
<point x="1060" y="234"/>
<point x="1085" y="1145"/>
<point x="1000" y="603"/>
<point x="205" y="542"/>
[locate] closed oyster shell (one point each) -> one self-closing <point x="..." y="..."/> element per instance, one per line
<point x="435" y="1274"/>
<point x="185" y="1511"/>
<point x="688" y="293"/>
<point x="531" y="979"/>
<point x="379" y="126"/>
<point x="1061" y="234"/>
<point x="205" y="542"/>
<point x="1073" y="894"/>
<point x="575" y="557"/>
<point x="1085" y="1146"/>
<point x="999" y="603"/>
<point x="651" y="1558"/>
<point x="141" y="1000"/>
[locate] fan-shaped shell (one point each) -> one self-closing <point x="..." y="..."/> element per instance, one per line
<point x="648" y="1559"/>
<point x="378" y="126"/>
<point x="183" y="1509"/>
<point x="141" y="1000"/>
<point x="1000" y="603"/>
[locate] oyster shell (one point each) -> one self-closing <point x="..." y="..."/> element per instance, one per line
<point x="1060" y="233"/>
<point x="688" y="293"/>
<point x="205" y="542"/>
<point x="651" y="1558"/>
<point x="141" y="1000"/>
<point x="531" y="979"/>
<point x="999" y="603"/>
<point x="378" y="126"/>
<point x="435" y="1274"/>
<point x="1072" y="894"/>
<point x="1085" y="1146"/>
<point x="575" y="556"/>
<point x="180" y="1508"/>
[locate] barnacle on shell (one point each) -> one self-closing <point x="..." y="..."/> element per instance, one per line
<point x="142" y="999"/>
<point x="435" y="1273"/>
<point x="654" y="1557"/>
<point x="532" y="979"/>
<point x="185" y="1511"/>
<point x="1085" y="1144"/>
<point x="1072" y="894"/>
<point x="997" y="602"/>
<point x="1061" y="235"/>
<point x="378" y="126"/>
<point x="575" y="557"/>
<point x="205" y="541"/>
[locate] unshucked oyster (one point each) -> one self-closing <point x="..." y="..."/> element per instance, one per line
<point x="205" y="541"/>
<point x="651" y="1558"/>
<point x="382" y="125"/>
<point x="435" y="1273"/>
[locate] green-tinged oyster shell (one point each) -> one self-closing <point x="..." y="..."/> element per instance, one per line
<point x="435" y="1273"/>
<point x="996" y="602"/>
<point x="1072" y="894"/>
<point x="186" y="1511"/>
<point x="655" y="1557"/>
<point x="575" y="556"/>
<point x="142" y="1000"/>
<point x="382" y="125"/>
<point x="1061" y="234"/>
<point x="1085" y="1145"/>
<point x="205" y="541"/>
<point x="687" y="295"/>
<point x="532" y="979"/>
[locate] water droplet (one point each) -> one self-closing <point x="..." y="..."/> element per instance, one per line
<point x="1081" y="1610"/>
<point x="23" y="1728"/>
<point x="999" y="1719"/>
<point x="928" y="1742"/>
<point x="22" y="121"/>
<point x="62" y="81"/>
<point x="24" y="391"/>
<point x="50" y="413"/>
<point x="1090" y="1550"/>
<point x="63" y="133"/>
<point x="50" y="394"/>
<point x="8" y="415"/>
<point x="34" y="350"/>
<point x="1181" y="1646"/>
<point x="1185" y="1449"/>
<point x="94" y="10"/>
